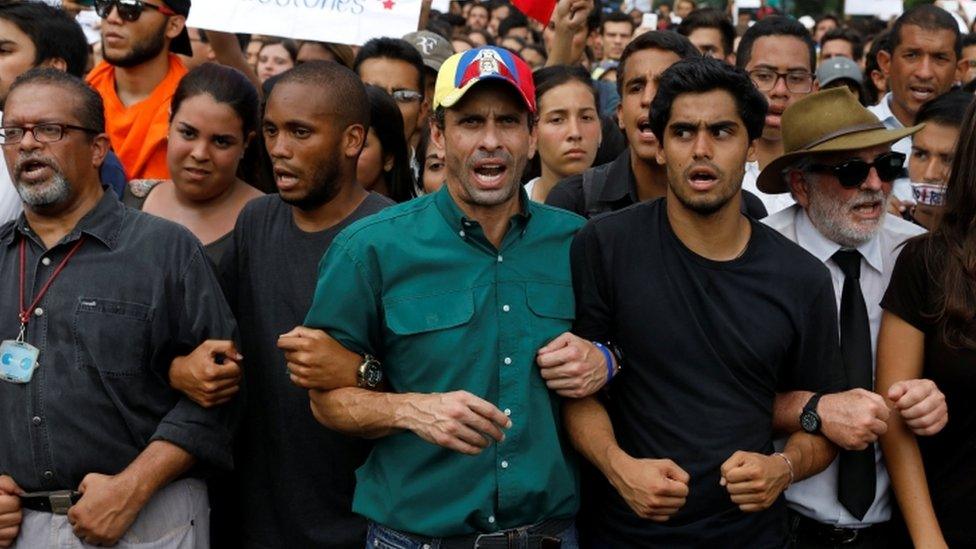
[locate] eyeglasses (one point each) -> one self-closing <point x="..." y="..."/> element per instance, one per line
<point x="796" y="81"/>
<point x="852" y="173"/>
<point x="406" y="96"/>
<point x="43" y="133"/>
<point x="129" y="10"/>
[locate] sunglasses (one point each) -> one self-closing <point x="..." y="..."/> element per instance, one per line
<point x="852" y="173"/>
<point x="129" y="10"/>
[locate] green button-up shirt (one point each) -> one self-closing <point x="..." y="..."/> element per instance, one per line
<point x="419" y="286"/>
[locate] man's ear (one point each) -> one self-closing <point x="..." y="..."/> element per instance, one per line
<point x="884" y="62"/>
<point x="175" y="25"/>
<point x="797" y="184"/>
<point x="100" y="149"/>
<point x="353" y="140"/>
<point x="55" y="63"/>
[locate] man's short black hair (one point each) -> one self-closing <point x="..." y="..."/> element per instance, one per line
<point x="948" y="109"/>
<point x="516" y="20"/>
<point x="616" y="17"/>
<point x="710" y="18"/>
<point x="661" y="40"/>
<point x="967" y="40"/>
<point x="340" y="86"/>
<point x="929" y="17"/>
<point x="55" y="34"/>
<point x="774" y="25"/>
<point x="90" y="111"/>
<point x="392" y="48"/>
<point x="851" y="36"/>
<point x="705" y="74"/>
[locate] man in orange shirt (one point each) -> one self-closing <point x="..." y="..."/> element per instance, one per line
<point x="138" y="77"/>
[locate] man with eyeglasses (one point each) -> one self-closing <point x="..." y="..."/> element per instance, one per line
<point x="839" y="166"/>
<point x="138" y="76"/>
<point x="780" y="57"/>
<point x="96" y="447"/>
<point x="397" y="67"/>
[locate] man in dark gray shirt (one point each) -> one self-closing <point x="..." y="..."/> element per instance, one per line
<point x="97" y="301"/>
<point x="294" y="479"/>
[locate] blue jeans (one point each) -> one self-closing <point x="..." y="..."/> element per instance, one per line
<point x="381" y="537"/>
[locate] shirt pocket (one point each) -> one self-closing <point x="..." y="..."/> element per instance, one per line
<point x="112" y="336"/>
<point x="429" y="313"/>
<point x="553" y="308"/>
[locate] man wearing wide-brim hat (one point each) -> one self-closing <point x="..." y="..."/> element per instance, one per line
<point x="839" y="167"/>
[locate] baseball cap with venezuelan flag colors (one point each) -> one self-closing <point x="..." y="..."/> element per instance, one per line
<point x="463" y="70"/>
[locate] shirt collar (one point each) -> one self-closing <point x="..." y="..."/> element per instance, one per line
<point x="813" y="241"/>
<point x="885" y="114"/>
<point x="457" y="219"/>
<point x="620" y="182"/>
<point x="103" y="222"/>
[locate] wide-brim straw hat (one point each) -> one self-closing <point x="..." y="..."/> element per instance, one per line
<point x="826" y="121"/>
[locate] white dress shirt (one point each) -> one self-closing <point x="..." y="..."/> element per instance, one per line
<point x="772" y="202"/>
<point x="10" y="205"/>
<point x="816" y="497"/>
<point x="902" y="188"/>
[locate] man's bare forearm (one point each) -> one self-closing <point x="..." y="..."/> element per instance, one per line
<point x="591" y="432"/>
<point x="809" y="454"/>
<point x="360" y="412"/>
<point x="787" y="409"/>
<point x="159" y="464"/>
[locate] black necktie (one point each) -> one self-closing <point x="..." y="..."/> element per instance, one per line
<point x="856" y="481"/>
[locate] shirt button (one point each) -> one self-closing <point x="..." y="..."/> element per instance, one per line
<point x="506" y="308"/>
<point x="461" y="233"/>
<point x="38" y="311"/>
<point x="500" y="259"/>
<point x="507" y="361"/>
<point x="48" y="475"/>
<point x="36" y="420"/>
<point x="508" y="411"/>
<point x="504" y="465"/>
<point x="491" y="519"/>
<point x="46" y="261"/>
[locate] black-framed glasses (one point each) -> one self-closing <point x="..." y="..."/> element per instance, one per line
<point x="852" y="173"/>
<point x="796" y="81"/>
<point x="129" y="10"/>
<point x="43" y="133"/>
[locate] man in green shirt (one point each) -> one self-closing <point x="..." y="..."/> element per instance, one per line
<point x="465" y="296"/>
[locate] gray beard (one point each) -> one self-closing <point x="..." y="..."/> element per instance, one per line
<point x="46" y="194"/>
<point x="831" y="217"/>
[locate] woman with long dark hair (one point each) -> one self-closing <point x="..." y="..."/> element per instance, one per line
<point x="384" y="164"/>
<point x="929" y="331"/>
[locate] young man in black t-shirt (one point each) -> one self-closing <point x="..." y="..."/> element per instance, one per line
<point x="713" y="314"/>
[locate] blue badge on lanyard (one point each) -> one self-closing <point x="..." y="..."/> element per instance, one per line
<point x="18" y="359"/>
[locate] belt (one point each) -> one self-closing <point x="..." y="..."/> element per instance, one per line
<point x="57" y="502"/>
<point x="543" y="535"/>
<point x="833" y="535"/>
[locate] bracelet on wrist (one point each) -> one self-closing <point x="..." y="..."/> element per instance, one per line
<point x="608" y="357"/>
<point x="789" y="464"/>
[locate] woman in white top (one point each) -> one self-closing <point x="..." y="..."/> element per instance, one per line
<point x="569" y="126"/>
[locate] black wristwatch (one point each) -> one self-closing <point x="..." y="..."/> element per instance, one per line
<point x="370" y="373"/>
<point x="809" y="419"/>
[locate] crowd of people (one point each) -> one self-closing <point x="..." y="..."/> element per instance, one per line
<point x="643" y="276"/>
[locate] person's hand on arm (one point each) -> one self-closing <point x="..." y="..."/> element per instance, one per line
<point x="317" y="361"/>
<point x="921" y="404"/>
<point x="569" y="19"/>
<point x="901" y="357"/>
<point x="574" y="367"/>
<point x="10" y="513"/>
<point x="655" y="489"/>
<point x="754" y="481"/>
<point x="457" y="420"/>
<point x="850" y="419"/>
<point x="111" y="503"/>
<point x="210" y="375"/>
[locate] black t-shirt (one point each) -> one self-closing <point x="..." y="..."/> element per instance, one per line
<point x="949" y="456"/>
<point x="706" y="346"/>
<point x="294" y="478"/>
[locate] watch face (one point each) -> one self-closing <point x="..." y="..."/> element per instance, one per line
<point x="809" y="422"/>
<point x="372" y="374"/>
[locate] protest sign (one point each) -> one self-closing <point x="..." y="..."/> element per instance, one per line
<point x="341" y="21"/>
<point x="883" y="9"/>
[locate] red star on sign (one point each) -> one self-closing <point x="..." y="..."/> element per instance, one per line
<point x="388" y="4"/>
